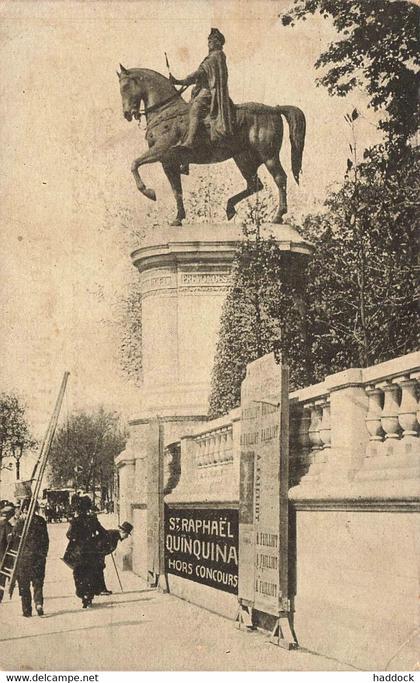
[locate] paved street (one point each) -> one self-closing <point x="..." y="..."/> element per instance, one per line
<point x="140" y="629"/>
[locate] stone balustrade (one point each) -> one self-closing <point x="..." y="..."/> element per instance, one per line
<point x="358" y="425"/>
<point x="392" y="417"/>
<point x="214" y="447"/>
<point x="209" y="461"/>
<point x="355" y="429"/>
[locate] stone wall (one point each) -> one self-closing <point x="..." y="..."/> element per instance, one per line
<point x="354" y="503"/>
<point x="356" y="585"/>
<point x="355" y="462"/>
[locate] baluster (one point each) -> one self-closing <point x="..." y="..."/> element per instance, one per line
<point x="229" y="444"/>
<point x="216" y="448"/>
<point x="416" y="376"/>
<point x="294" y="423"/>
<point x="195" y="451"/>
<point x="294" y="462"/>
<point x="223" y="442"/>
<point x="313" y="430"/>
<point x="210" y="452"/>
<point x="303" y="439"/>
<point x="389" y="417"/>
<point x="373" y="421"/>
<point x="315" y="441"/>
<point x="204" y="451"/>
<point x="407" y="414"/>
<point x="220" y="453"/>
<point x="325" y="427"/>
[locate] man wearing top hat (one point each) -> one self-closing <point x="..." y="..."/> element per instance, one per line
<point x="210" y="94"/>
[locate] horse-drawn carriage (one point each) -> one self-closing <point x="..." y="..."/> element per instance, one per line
<point x="57" y="504"/>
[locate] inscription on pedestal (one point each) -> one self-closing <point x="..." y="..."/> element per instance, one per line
<point x="204" y="278"/>
<point x="156" y="281"/>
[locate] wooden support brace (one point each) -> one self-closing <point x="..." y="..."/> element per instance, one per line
<point x="163" y="583"/>
<point x="283" y="634"/>
<point x="152" y="579"/>
<point x="159" y="581"/>
<point x="244" y="617"/>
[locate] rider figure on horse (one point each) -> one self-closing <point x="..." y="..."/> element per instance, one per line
<point x="210" y="94"/>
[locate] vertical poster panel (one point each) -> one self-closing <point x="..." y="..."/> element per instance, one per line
<point x="155" y="500"/>
<point x="263" y="538"/>
<point x="271" y="537"/>
<point x="246" y="526"/>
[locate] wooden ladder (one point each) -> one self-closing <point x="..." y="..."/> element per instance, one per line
<point x="10" y="562"/>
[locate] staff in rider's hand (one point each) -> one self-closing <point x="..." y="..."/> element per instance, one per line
<point x="171" y="78"/>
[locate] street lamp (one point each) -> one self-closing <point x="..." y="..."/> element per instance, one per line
<point x="17" y="452"/>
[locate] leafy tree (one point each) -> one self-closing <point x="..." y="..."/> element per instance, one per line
<point x="15" y="436"/>
<point x="362" y="277"/>
<point x="84" y="449"/>
<point x="263" y="311"/>
<point x="377" y="51"/>
<point x="130" y="331"/>
<point x="360" y="302"/>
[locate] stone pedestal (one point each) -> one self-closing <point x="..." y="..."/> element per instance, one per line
<point x="185" y="274"/>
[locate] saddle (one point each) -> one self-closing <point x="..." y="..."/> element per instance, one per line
<point x="205" y="122"/>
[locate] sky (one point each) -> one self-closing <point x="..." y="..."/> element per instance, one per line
<point x="65" y="173"/>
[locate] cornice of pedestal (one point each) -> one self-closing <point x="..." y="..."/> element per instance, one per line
<point x="208" y="243"/>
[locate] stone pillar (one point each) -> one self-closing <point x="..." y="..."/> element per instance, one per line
<point x="349" y="436"/>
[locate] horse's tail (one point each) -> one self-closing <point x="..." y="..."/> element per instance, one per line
<point x="297" y="128"/>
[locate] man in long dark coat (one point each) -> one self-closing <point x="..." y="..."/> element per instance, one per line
<point x="82" y="554"/>
<point x="210" y="95"/>
<point x="31" y="567"/>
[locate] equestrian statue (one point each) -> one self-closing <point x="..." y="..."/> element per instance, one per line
<point x="209" y="129"/>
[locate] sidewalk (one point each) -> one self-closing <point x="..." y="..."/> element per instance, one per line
<point x="138" y="630"/>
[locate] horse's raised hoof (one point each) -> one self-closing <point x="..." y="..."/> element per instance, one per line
<point x="150" y="194"/>
<point x="176" y="223"/>
<point x="230" y="212"/>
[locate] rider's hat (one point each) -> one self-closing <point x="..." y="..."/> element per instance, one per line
<point x="215" y="33"/>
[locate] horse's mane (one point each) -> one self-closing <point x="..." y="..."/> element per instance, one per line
<point x="134" y="72"/>
<point x="159" y="80"/>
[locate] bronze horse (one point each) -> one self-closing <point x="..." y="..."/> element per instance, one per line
<point x="258" y="138"/>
